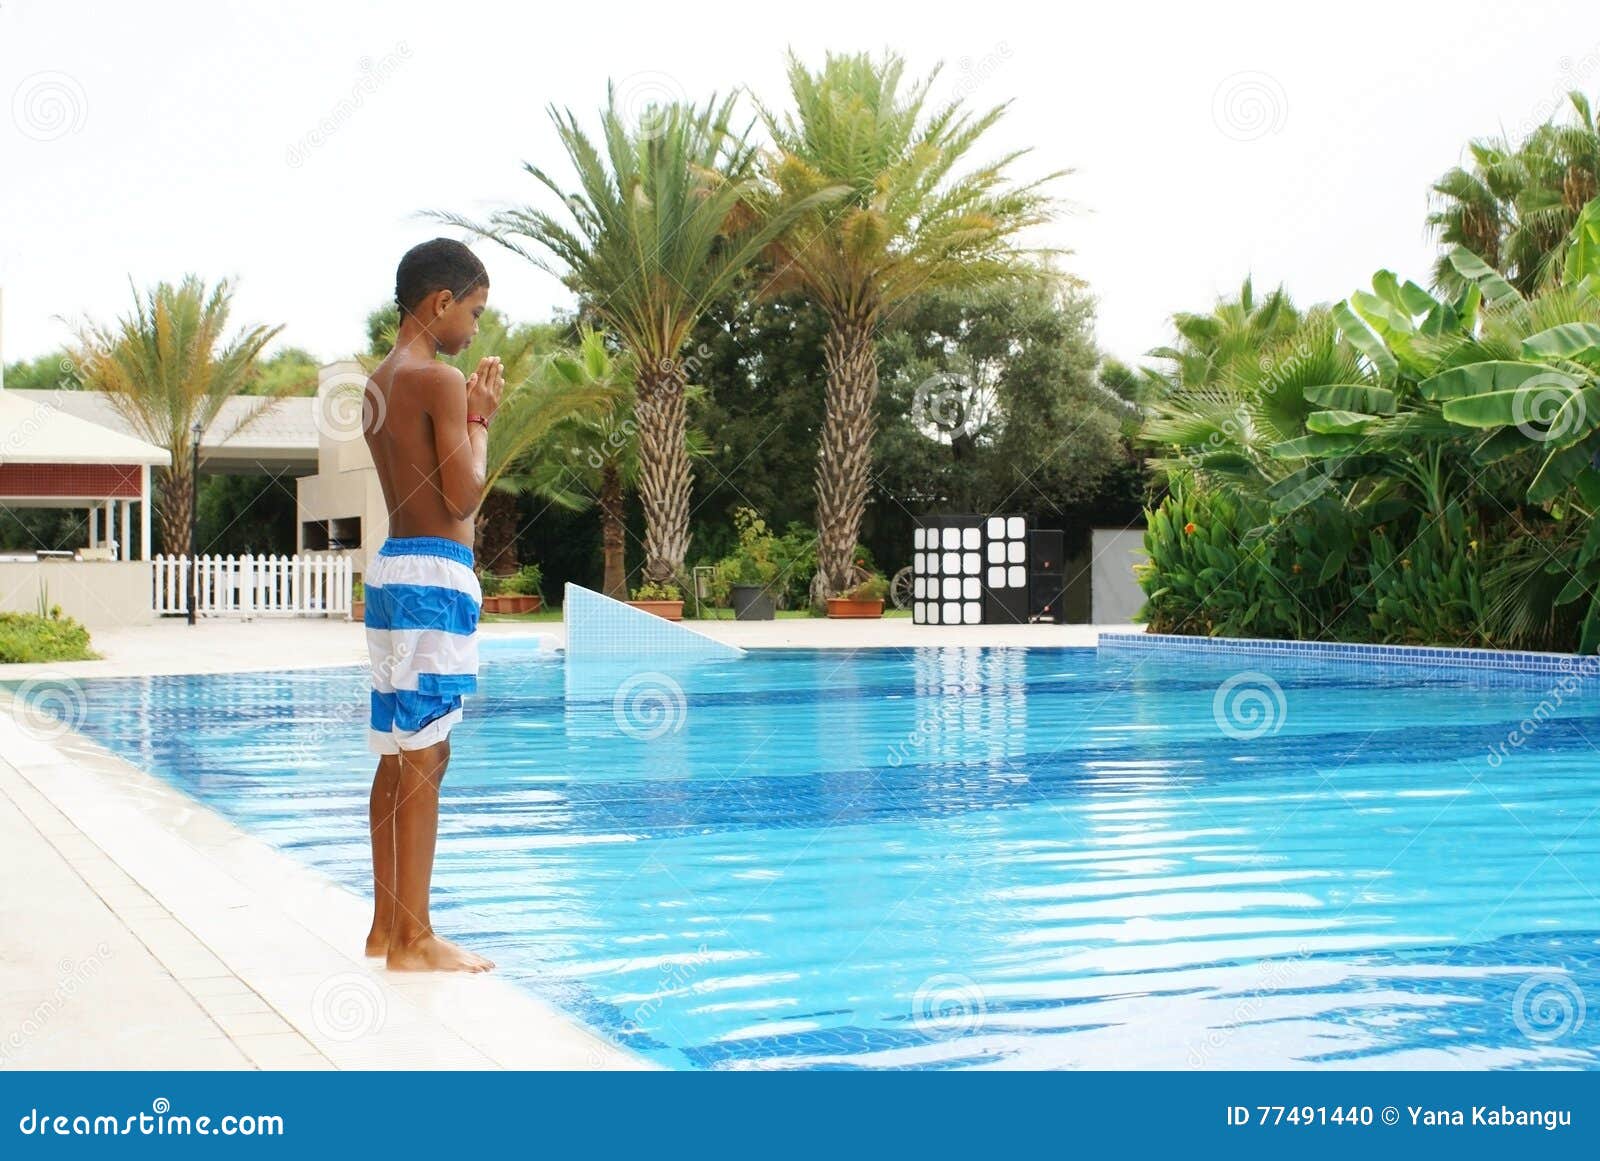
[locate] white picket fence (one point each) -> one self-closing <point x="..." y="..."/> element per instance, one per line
<point x="256" y="586"/>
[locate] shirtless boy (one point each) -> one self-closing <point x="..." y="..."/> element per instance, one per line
<point x="428" y="430"/>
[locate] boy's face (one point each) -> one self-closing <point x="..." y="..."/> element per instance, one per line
<point x="455" y="322"/>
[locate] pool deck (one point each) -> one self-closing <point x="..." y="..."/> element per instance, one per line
<point x="141" y="930"/>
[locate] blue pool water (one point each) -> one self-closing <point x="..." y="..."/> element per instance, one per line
<point x="947" y="858"/>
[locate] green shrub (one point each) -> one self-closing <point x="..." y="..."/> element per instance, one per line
<point x="1426" y="586"/>
<point x="527" y="581"/>
<point x="874" y="588"/>
<point x="30" y="637"/>
<point x="655" y="592"/>
<point x="491" y="584"/>
<point x="1221" y="565"/>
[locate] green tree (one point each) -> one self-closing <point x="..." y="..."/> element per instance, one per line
<point x="53" y="372"/>
<point x="166" y="367"/>
<point x="910" y="223"/>
<point x="291" y="371"/>
<point x="657" y="229"/>
<point x="592" y="459"/>
<point x="1515" y="204"/>
<point x="991" y="402"/>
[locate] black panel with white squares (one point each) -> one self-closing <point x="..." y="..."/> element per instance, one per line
<point x="966" y="567"/>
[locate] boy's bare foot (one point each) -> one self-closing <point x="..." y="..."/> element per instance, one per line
<point x="432" y="954"/>
<point x="377" y="943"/>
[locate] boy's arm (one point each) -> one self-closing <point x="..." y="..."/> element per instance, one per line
<point x="462" y="447"/>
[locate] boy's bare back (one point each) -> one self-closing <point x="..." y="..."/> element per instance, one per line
<point x="416" y="417"/>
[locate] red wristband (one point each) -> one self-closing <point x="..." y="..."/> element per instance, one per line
<point x="483" y="419"/>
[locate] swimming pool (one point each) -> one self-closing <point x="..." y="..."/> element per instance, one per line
<point x="943" y="858"/>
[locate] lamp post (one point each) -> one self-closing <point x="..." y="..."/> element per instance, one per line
<point x="194" y="521"/>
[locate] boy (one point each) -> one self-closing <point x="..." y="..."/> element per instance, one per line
<point x="428" y="430"/>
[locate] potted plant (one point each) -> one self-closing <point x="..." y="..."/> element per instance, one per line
<point x="748" y="594"/>
<point x="662" y="600"/>
<point x="358" y="601"/>
<point x="747" y="576"/>
<point x="523" y="590"/>
<point x="865" y="600"/>
<point x="491" y="585"/>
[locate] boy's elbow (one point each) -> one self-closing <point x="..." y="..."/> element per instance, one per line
<point x="464" y="504"/>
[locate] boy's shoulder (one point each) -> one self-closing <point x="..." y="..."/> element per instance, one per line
<point x="430" y="373"/>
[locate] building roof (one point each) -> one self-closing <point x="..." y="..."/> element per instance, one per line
<point x="39" y="432"/>
<point x="250" y="433"/>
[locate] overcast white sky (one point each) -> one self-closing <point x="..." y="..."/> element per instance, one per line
<point x="1296" y="142"/>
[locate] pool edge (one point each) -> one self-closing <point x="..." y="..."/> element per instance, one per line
<point x="245" y="910"/>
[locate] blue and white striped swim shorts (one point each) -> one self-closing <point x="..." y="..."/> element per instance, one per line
<point x="422" y="624"/>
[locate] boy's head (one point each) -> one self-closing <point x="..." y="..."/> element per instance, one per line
<point x="445" y="288"/>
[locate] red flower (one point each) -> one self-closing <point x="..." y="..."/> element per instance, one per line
<point x="1189" y="529"/>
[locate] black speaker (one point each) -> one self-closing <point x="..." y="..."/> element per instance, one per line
<point x="1047" y="550"/>
<point x="1005" y="606"/>
<point x="1047" y="597"/>
<point x="1047" y="575"/>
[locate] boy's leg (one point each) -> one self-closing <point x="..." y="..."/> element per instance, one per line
<point x="380" y="814"/>
<point x="413" y="945"/>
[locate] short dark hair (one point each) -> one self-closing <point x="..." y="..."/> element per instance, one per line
<point x="442" y="264"/>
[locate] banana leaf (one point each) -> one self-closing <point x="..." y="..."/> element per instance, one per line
<point x="1496" y="290"/>
<point x="1339" y="422"/>
<point x="1363" y="339"/>
<point x="1575" y="418"/>
<point x="1488" y="377"/>
<point x="1560" y="469"/>
<point x="1353" y="397"/>
<point x="1501" y="445"/>
<point x="1583" y="245"/>
<point x="1578" y="341"/>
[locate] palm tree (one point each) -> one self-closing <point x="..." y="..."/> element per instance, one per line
<point x="593" y="460"/>
<point x="518" y="348"/>
<point x="658" y="228"/>
<point x="167" y="367"/>
<point x="908" y="224"/>
<point x="1235" y="329"/>
<point x="1516" y="206"/>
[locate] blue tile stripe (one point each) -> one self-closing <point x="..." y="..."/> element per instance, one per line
<point x="1434" y="657"/>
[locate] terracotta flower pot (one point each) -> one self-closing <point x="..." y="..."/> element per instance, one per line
<point x="495" y="604"/>
<point x="844" y="607"/>
<point x="522" y="603"/>
<point x="358" y="610"/>
<point x="671" y="610"/>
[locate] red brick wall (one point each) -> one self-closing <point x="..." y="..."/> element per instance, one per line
<point x="101" y="481"/>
